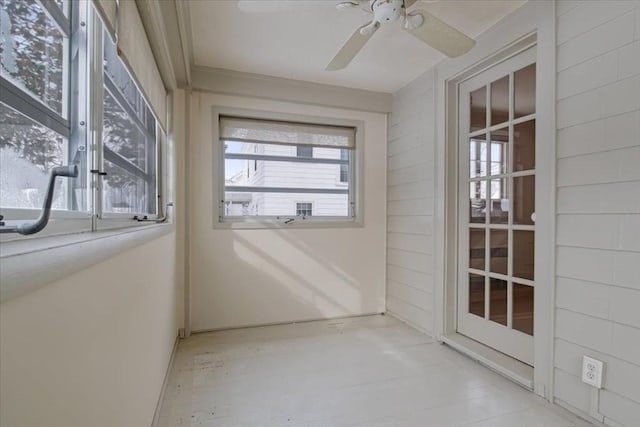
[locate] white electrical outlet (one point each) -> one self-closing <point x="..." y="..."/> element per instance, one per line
<point x="592" y="371"/>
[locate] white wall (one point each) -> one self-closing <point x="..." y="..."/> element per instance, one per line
<point x="410" y="180"/>
<point x="597" y="211"/>
<point x="244" y="277"/>
<point x="92" y="349"/>
<point x="598" y="204"/>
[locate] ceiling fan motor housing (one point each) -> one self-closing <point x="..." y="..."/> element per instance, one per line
<point x="387" y="11"/>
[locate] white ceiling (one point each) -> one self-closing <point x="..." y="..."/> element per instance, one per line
<point x="296" y="39"/>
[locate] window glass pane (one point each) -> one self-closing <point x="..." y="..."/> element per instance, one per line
<point x="237" y="203"/>
<point x="523" y="308"/>
<point x="500" y="101"/>
<point x="524" y="199"/>
<point x="32" y="52"/>
<point x="27" y="152"/>
<point x="476" y="248"/>
<point x="122" y="136"/>
<point x="523" y="254"/>
<point x="477" y="156"/>
<point x="498" y="301"/>
<point x="477" y="201"/>
<point x="123" y="192"/>
<point x="499" y="151"/>
<point x="280" y="150"/>
<point x="524" y="146"/>
<point x="117" y="75"/>
<point x="129" y="141"/>
<point x="476" y="294"/>
<point x="478" y="109"/>
<point x="499" y="201"/>
<point x="524" y="86"/>
<point x="304" y="209"/>
<point x="287" y="180"/>
<point x="499" y="251"/>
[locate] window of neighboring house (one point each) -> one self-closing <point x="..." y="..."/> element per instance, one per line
<point x="297" y="161"/>
<point x="304" y="151"/>
<point x="304" y="209"/>
<point x="47" y="110"/>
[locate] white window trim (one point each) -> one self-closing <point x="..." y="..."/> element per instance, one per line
<point x="267" y="222"/>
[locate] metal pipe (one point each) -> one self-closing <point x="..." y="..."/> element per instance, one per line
<point x="42" y="221"/>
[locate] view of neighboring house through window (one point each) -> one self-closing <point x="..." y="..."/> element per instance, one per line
<point x="289" y="162"/>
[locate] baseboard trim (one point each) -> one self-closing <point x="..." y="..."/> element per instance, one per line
<point x="259" y="325"/>
<point x="410" y="323"/>
<point x="165" y="383"/>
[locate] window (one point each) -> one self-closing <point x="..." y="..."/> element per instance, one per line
<point x="128" y="141"/>
<point x="35" y="105"/>
<point x="297" y="161"/>
<point x="51" y="115"/>
<point x="304" y="209"/>
<point x="304" y="151"/>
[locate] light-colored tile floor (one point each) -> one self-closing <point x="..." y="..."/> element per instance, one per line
<point x="368" y="371"/>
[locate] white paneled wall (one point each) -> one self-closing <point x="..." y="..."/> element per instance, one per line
<point x="410" y="204"/>
<point x="598" y="204"/>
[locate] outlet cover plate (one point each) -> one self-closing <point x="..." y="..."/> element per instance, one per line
<point x="592" y="371"/>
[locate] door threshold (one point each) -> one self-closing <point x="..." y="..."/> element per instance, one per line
<point x="509" y="367"/>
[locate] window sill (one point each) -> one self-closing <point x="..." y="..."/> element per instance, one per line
<point x="30" y="264"/>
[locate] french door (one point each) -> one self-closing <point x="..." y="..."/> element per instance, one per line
<point x="496" y="215"/>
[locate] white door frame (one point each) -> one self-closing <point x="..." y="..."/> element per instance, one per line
<point x="532" y="24"/>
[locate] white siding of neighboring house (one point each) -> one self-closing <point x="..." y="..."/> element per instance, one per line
<point x="598" y="204"/>
<point x="293" y="174"/>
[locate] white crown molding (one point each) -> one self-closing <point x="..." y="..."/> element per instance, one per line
<point x="231" y="82"/>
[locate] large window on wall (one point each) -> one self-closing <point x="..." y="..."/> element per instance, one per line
<point x="68" y="96"/>
<point x="36" y="108"/>
<point x="299" y="171"/>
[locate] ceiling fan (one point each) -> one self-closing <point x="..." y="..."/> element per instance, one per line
<point x="423" y="25"/>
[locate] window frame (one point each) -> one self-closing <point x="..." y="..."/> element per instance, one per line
<point x="355" y="191"/>
<point x="104" y="220"/>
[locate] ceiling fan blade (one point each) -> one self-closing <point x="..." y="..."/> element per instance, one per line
<point x="440" y="35"/>
<point x="351" y="48"/>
